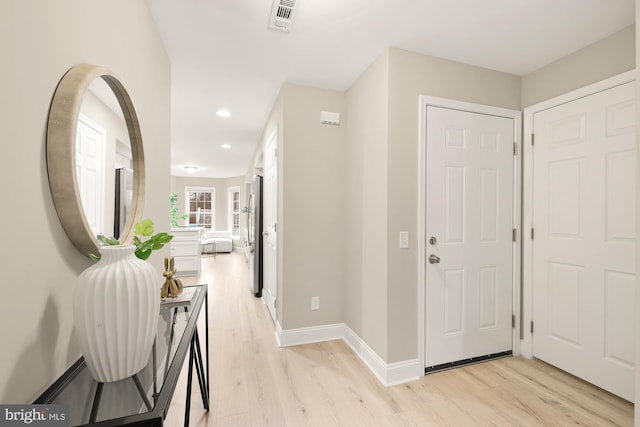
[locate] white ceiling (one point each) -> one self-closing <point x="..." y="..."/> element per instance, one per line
<point x="224" y="56"/>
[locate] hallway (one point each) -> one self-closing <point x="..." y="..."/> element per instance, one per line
<point x="255" y="383"/>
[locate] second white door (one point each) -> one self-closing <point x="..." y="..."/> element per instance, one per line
<point x="469" y="226"/>
<point x="584" y="198"/>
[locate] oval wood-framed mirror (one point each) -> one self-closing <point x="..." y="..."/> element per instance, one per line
<point x="62" y="131"/>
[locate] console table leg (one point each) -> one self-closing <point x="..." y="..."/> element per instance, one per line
<point x="155" y="381"/>
<point x="173" y="324"/>
<point x="200" y="371"/>
<point x="189" y="381"/>
<point x="96" y="403"/>
<point x="142" y="393"/>
<point x="206" y="332"/>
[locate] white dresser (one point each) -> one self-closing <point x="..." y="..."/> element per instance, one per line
<point x="186" y="250"/>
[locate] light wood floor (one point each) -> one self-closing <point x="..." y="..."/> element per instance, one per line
<point x="255" y="383"/>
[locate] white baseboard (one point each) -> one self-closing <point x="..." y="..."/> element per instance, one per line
<point x="387" y="373"/>
<point x="309" y="335"/>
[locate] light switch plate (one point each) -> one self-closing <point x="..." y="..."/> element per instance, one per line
<point x="404" y="240"/>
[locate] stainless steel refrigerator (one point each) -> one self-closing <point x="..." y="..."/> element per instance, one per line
<point x="254" y="238"/>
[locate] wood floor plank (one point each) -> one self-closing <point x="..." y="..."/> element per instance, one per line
<point x="256" y="384"/>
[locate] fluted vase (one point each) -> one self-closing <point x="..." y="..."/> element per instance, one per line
<point x="116" y="304"/>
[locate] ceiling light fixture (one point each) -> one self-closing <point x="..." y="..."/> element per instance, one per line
<point x="190" y="168"/>
<point x="225" y="146"/>
<point x="223" y="113"/>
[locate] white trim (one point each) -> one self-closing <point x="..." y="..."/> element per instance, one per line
<point x="230" y="192"/>
<point x="309" y="335"/>
<point x="187" y="209"/>
<point x="516" y="115"/>
<point x="611" y="82"/>
<point x="422" y="233"/>
<point x="387" y="373"/>
<point x="527" y="195"/>
<point x="517" y="223"/>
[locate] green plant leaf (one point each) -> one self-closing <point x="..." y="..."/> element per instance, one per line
<point x="107" y="240"/>
<point x="144" y="228"/>
<point x="94" y="257"/>
<point x="144" y="246"/>
<point x="143" y="254"/>
<point x="162" y="237"/>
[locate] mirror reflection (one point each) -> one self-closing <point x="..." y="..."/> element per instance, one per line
<point x="104" y="161"/>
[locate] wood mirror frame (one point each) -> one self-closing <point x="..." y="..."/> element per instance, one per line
<point x="61" y="154"/>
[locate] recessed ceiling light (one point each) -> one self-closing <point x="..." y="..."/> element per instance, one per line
<point x="191" y="169"/>
<point x="225" y="146"/>
<point x="223" y="113"/>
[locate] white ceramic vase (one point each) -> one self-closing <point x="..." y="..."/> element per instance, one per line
<point x="116" y="304"/>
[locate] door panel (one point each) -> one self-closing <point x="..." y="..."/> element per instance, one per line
<point x="584" y="195"/>
<point x="469" y="208"/>
<point x="89" y="172"/>
<point x="270" y="203"/>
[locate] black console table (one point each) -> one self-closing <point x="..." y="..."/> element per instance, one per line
<point x="142" y="400"/>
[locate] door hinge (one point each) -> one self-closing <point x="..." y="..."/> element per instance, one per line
<point x="275" y="303"/>
<point x="532" y="233"/>
<point x="532" y="326"/>
<point x="514" y="234"/>
<point x="533" y="140"/>
<point x="515" y="149"/>
<point x="513" y="321"/>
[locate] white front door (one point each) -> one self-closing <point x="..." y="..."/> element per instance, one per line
<point x="584" y="195"/>
<point x="469" y="230"/>
<point x="270" y="210"/>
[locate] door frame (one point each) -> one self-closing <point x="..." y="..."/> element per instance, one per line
<point x="273" y="138"/>
<point x="430" y="101"/>
<point x="526" y="347"/>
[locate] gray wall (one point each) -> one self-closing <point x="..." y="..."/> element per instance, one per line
<point x="605" y="58"/>
<point x="311" y="203"/>
<point x="366" y="205"/>
<point x="311" y="231"/>
<point x="40" y="40"/>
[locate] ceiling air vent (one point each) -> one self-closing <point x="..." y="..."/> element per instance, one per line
<point x="283" y="13"/>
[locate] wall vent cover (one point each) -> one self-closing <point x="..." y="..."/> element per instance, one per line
<point x="283" y="14"/>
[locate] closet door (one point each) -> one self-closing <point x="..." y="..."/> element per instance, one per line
<point x="584" y="198"/>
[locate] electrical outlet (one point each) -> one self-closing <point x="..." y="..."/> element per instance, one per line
<point x="315" y="303"/>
